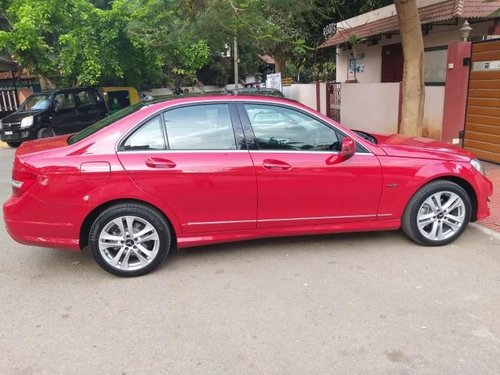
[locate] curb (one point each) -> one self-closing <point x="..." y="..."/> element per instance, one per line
<point x="488" y="231"/>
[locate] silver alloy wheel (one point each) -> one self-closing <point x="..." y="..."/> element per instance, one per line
<point x="129" y="243"/>
<point x="441" y="216"/>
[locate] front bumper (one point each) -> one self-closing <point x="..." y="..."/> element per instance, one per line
<point x="484" y="190"/>
<point x="16" y="135"/>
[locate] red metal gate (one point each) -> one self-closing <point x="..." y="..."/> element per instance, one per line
<point x="334" y="99"/>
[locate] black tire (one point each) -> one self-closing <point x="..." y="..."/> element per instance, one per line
<point x="14" y="144"/>
<point x="142" y="214"/>
<point x="416" y="206"/>
<point x="45" y="133"/>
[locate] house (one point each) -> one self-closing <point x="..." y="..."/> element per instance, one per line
<point x="462" y="46"/>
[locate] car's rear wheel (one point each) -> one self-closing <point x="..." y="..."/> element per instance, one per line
<point x="14" y="144"/>
<point x="130" y="239"/>
<point x="45" y="133"/>
<point x="437" y="214"/>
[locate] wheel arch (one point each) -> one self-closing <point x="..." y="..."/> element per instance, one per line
<point x="90" y="218"/>
<point x="464" y="184"/>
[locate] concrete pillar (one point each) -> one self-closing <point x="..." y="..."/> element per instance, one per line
<point x="455" y="96"/>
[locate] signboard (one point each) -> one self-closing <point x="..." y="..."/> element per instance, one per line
<point x="486" y="66"/>
<point x="273" y="81"/>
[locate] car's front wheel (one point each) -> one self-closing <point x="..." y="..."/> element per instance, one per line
<point x="130" y="239"/>
<point x="437" y="214"/>
<point x="14" y="144"/>
<point x="45" y="133"/>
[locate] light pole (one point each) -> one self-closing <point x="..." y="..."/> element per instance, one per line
<point x="235" y="56"/>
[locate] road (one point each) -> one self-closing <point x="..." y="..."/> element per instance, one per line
<point x="372" y="303"/>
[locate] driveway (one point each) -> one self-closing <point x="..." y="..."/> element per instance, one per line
<point x="372" y="303"/>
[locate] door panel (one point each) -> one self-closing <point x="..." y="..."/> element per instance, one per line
<point x="392" y="63"/>
<point x="318" y="188"/>
<point x="87" y="108"/>
<point x="301" y="178"/>
<point x="65" y="118"/>
<point x="209" y="190"/>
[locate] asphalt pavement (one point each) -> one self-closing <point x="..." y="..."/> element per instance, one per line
<point x="371" y="303"/>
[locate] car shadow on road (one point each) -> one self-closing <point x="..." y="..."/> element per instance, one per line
<point x="82" y="263"/>
<point x="288" y="245"/>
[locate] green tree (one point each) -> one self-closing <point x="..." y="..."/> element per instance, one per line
<point x="88" y="42"/>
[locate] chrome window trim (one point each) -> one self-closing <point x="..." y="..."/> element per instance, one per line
<point x="184" y="151"/>
<point x="229" y="102"/>
<point x="308" y="152"/>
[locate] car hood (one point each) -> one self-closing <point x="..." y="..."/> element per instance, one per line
<point x="424" y="148"/>
<point x="18" y="116"/>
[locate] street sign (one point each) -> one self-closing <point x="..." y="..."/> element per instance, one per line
<point x="274" y="81"/>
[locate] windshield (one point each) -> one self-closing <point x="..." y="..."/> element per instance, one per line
<point x="35" y="102"/>
<point x="106" y="121"/>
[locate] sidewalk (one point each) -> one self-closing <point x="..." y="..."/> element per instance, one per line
<point x="493" y="221"/>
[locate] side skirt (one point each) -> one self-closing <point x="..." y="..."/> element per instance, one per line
<point x="220" y="237"/>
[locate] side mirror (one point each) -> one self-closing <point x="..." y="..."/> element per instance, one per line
<point x="348" y="148"/>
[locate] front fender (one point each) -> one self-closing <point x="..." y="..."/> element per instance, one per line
<point x="403" y="177"/>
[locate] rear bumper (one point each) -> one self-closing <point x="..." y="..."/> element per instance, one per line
<point x="20" y="217"/>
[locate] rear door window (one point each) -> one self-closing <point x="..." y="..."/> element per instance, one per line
<point x="85" y="99"/>
<point x="200" y="127"/>
<point x="148" y="137"/>
<point x="64" y="100"/>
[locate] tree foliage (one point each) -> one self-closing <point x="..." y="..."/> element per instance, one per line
<point x="84" y="42"/>
<point x="134" y="41"/>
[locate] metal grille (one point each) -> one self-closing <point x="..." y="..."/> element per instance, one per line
<point x="333" y="109"/>
<point x="8" y="101"/>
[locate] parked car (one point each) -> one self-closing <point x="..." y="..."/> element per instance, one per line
<point x="53" y="112"/>
<point x="119" y="97"/>
<point x="196" y="171"/>
<point x="261" y="91"/>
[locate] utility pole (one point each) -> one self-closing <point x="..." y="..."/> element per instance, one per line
<point x="235" y="56"/>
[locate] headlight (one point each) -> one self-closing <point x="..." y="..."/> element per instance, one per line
<point x="477" y="165"/>
<point x="27" y="122"/>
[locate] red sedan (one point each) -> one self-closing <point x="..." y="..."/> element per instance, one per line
<point x="196" y="171"/>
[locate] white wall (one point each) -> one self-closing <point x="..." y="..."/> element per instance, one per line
<point x="373" y="107"/>
<point x="305" y="93"/>
<point x="433" y="112"/>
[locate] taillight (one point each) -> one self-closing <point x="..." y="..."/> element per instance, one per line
<point x="22" y="181"/>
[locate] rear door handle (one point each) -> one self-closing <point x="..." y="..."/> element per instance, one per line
<point x="276" y="165"/>
<point x="160" y="163"/>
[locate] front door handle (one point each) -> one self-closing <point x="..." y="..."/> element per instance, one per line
<point x="276" y="165"/>
<point x="160" y="163"/>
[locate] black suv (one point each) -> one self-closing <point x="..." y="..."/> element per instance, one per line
<point x="52" y="112"/>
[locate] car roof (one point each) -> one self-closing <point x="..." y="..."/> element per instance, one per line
<point x="52" y="91"/>
<point x="220" y="97"/>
